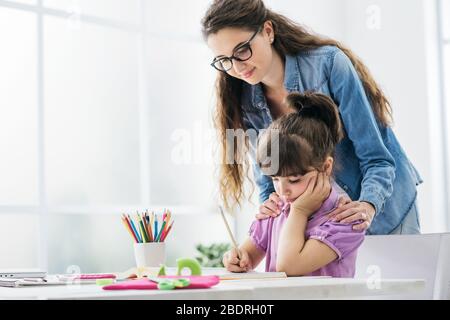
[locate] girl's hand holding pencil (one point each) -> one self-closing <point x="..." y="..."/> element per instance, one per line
<point x="232" y="262"/>
<point x="148" y="228"/>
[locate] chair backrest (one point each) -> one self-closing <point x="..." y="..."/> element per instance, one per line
<point x="442" y="283"/>
<point x="424" y="256"/>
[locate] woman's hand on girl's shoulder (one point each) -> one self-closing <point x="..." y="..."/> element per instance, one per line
<point x="351" y="211"/>
<point x="270" y="208"/>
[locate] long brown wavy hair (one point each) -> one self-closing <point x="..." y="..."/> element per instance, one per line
<point x="291" y="38"/>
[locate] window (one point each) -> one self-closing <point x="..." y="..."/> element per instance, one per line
<point x="92" y="98"/>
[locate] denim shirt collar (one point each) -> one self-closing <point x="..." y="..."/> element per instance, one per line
<point x="291" y="82"/>
<point x="291" y="74"/>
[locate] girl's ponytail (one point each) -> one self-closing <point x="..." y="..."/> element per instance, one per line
<point x="319" y="107"/>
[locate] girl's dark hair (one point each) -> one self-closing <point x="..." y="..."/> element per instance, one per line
<point x="291" y="38"/>
<point x="302" y="139"/>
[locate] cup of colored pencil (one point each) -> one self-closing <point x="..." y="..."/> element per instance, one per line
<point x="149" y="231"/>
<point x="147" y="227"/>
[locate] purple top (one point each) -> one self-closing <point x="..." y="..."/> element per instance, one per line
<point x="340" y="237"/>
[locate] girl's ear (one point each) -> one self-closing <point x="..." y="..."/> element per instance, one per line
<point x="328" y="165"/>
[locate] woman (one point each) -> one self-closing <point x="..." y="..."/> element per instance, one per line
<point x="261" y="57"/>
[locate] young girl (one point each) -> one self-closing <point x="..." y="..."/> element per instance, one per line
<point x="303" y="239"/>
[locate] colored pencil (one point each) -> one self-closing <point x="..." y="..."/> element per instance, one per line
<point x="143" y="232"/>
<point x="152" y="219"/>
<point x="148" y="226"/>
<point x="156" y="227"/>
<point x="127" y="226"/>
<point x="135" y="235"/>
<point x="125" y="220"/>
<point x="144" y="228"/>
<point x="168" y="230"/>
<point x="135" y="230"/>
<point x="167" y="222"/>
<point x="161" y="231"/>
<point x="144" y="220"/>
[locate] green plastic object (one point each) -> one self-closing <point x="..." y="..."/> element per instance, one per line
<point x="162" y="270"/>
<point x="181" y="283"/>
<point x="170" y="284"/>
<point x="166" y="285"/>
<point x="104" y="282"/>
<point x="191" y="264"/>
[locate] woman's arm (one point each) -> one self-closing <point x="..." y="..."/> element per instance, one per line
<point x="376" y="162"/>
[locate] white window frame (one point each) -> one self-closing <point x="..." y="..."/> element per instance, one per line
<point x="43" y="210"/>
<point x="445" y="111"/>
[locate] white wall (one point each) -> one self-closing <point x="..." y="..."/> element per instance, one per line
<point x="322" y="16"/>
<point x="392" y="39"/>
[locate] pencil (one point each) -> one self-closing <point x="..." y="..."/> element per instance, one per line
<point x="127" y="226"/>
<point x="152" y="219"/>
<point x="134" y="229"/>
<point x="167" y="220"/>
<point x="125" y="218"/>
<point x="144" y="221"/>
<point x="161" y="231"/>
<point x="156" y="227"/>
<point x="167" y="232"/>
<point x="148" y="226"/>
<point x="147" y="219"/>
<point x="144" y="228"/>
<point x="233" y="240"/>
<point x="143" y="232"/>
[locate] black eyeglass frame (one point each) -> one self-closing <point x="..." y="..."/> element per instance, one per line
<point x="245" y="44"/>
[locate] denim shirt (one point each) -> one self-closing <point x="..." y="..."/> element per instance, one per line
<point x="371" y="165"/>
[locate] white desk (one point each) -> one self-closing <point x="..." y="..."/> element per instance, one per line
<point x="289" y="288"/>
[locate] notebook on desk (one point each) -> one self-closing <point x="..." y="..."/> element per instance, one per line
<point x="252" y="275"/>
<point x="223" y="274"/>
<point x="262" y="275"/>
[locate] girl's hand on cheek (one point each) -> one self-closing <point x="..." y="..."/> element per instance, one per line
<point x="317" y="191"/>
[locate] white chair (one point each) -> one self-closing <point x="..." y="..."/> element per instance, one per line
<point x="425" y="256"/>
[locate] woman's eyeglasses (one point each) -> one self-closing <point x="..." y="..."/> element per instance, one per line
<point x="241" y="53"/>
